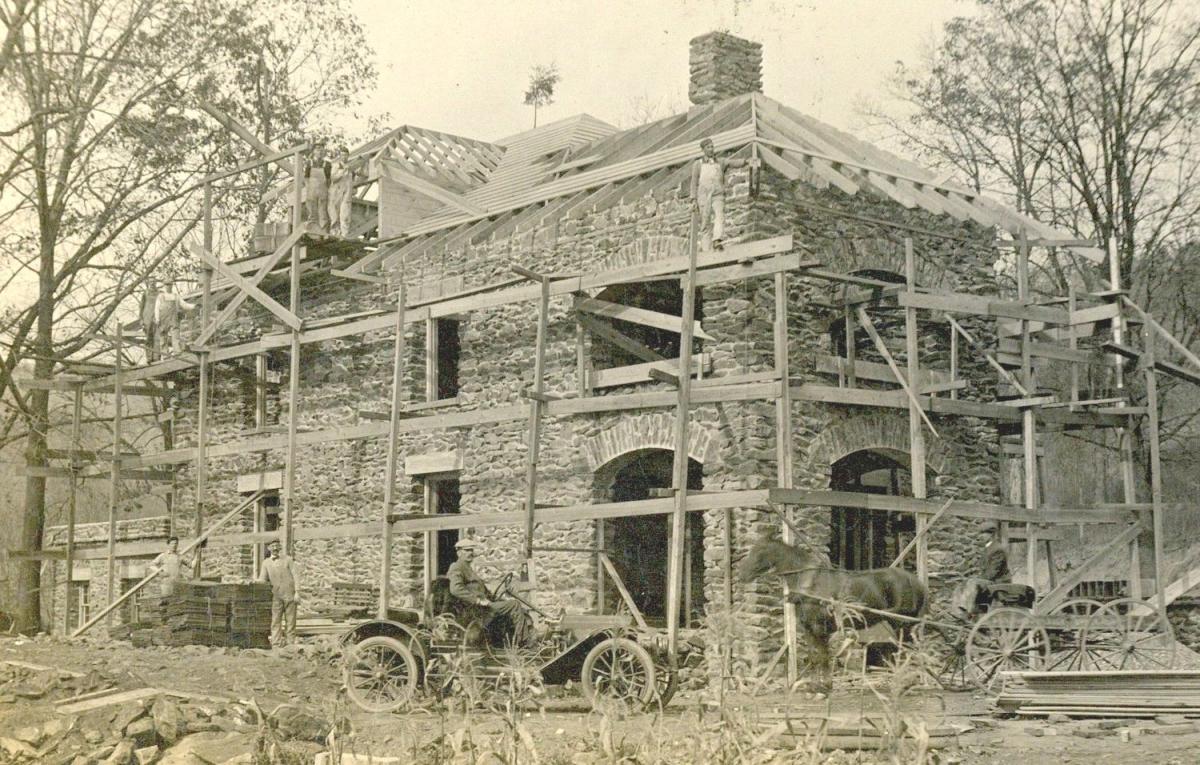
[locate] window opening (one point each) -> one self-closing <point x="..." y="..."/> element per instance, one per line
<point x="444" y="352"/>
<point x="862" y="539"/>
<point x="443" y="495"/>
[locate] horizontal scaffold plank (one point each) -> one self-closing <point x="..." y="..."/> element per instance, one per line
<point x="469" y="301"/>
<point x="750" y="498"/>
<point x="982" y="306"/>
<point x="710" y="393"/>
<point x="980" y="510"/>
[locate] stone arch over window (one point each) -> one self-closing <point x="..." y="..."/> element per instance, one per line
<point x="646" y="431"/>
<point x="887" y="433"/>
<point x="884" y="255"/>
<point x="645" y="250"/>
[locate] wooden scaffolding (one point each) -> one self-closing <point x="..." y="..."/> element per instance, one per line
<point x="1029" y="332"/>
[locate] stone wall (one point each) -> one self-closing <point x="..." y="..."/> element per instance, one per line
<point x="732" y="442"/>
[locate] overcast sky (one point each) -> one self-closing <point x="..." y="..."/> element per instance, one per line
<point x="462" y="67"/>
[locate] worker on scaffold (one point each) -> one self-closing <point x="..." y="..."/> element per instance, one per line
<point x="708" y="192"/>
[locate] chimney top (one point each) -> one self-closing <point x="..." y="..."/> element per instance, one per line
<point x="723" y="66"/>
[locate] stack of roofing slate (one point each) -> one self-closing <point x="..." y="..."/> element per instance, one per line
<point x="722" y="66"/>
<point x="249" y="613"/>
<point x="1115" y="693"/>
<point x="215" y="614"/>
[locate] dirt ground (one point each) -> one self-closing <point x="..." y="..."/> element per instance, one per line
<point x="212" y="681"/>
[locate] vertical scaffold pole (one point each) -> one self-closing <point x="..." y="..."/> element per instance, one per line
<point x="205" y="382"/>
<point x="783" y="452"/>
<point x="536" y="406"/>
<point x="393" y="454"/>
<point x="76" y="427"/>
<point x="115" y="484"/>
<point x="1028" y="421"/>
<point x="916" y="432"/>
<point x="1124" y="434"/>
<point x="680" y="467"/>
<point x="1155" y="466"/>
<point x="289" y="500"/>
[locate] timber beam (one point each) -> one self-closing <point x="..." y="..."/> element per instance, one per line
<point x="979" y="510"/>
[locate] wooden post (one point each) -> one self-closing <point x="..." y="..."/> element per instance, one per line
<point x="429" y="551"/>
<point x="783" y="451"/>
<point x="536" y="406"/>
<point x="393" y="455"/>
<point x="680" y="471"/>
<point x="851" y="346"/>
<point x="916" y="434"/>
<point x="1072" y="344"/>
<point x="115" y="478"/>
<point x="289" y="499"/>
<point x="953" y="362"/>
<point x="76" y="427"/>
<point x="1155" y="466"/>
<point x="1124" y="434"/>
<point x="1028" y="422"/>
<point x="201" y="457"/>
<point x="205" y="382"/>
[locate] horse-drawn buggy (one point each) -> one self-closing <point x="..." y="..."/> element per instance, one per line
<point x="991" y="627"/>
<point x="449" y="644"/>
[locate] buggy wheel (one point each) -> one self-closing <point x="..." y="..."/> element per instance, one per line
<point x="1128" y="634"/>
<point x="620" y="671"/>
<point x="381" y="674"/>
<point x="1005" y="640"/>
<point x="1067" y="624"/>
<point x="666" y="682"/>
<point x="940" y="648"/>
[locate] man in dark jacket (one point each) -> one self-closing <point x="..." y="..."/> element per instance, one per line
<point x="995" y="558"/>
<point x="468" y="586"/>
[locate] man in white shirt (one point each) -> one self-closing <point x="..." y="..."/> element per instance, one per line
<point x="279" y="571"/>
<point x="168" y="316"/>
<point x="170" y="565"/>
<point x="708" y="193"/>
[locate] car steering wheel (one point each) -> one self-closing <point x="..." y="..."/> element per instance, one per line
<point x="502" y="586"/>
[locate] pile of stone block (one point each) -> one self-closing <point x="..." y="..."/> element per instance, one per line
<point x="722" y="66"/>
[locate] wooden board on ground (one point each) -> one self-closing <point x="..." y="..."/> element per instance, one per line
<point x="137" y="694"/>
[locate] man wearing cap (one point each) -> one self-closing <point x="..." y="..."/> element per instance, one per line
<point x="278" y="571"/>
<point x="995" y="558"/>
<point x="708" y="192"/>
<point x="469" y="587"/>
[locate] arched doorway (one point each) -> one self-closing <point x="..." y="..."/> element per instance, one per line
<point x="639" y="545"/>
<point x="861" y="539"/>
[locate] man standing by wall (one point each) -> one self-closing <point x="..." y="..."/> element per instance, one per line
<point x="708" y="193"/>
<point x="279" y="572"/>
<point x="341" y="194"/>
<point x="316" y="190"/>
<point x="170" y="564"/>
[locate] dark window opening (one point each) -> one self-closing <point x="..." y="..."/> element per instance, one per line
<point x="271" y="512"/>
<point x="639" y="545"/>
<point x="445" y="496"/>
<point x="445" y="343"/>
<point x="665" y="297"/>
<point x="862" y="539"/>
<point x="78" y="604"/>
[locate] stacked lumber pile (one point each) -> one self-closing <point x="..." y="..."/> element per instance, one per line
<point x="722" y="66"/>
<point x="864" y="733"/>
<point x="1125" y="693"/>
<point x="249" y="613"/>
<point x="212" y="614"/>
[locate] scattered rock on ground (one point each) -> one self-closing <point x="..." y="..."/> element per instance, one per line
<point x="293" y="722"/>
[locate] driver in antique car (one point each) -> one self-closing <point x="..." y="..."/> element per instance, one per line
<point x="468" y="586"/>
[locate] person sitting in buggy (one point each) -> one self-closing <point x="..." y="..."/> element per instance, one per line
<point x="504" y="615"/>
<point x="994" y="585"/>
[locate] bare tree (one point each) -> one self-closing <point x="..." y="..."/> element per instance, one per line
<point x="542" y="81"/>
<point x="1082" y="111"/>
<point x="99" y="172"/>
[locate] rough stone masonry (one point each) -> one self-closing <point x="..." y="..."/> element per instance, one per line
<point x="612" y="455"/>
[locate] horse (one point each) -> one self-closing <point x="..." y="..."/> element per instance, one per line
<point x="893" y="590"/>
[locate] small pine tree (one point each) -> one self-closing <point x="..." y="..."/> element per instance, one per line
<point x="542" y="80"/>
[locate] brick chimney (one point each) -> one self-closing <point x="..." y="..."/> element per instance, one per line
<point x="723" y="66"/>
